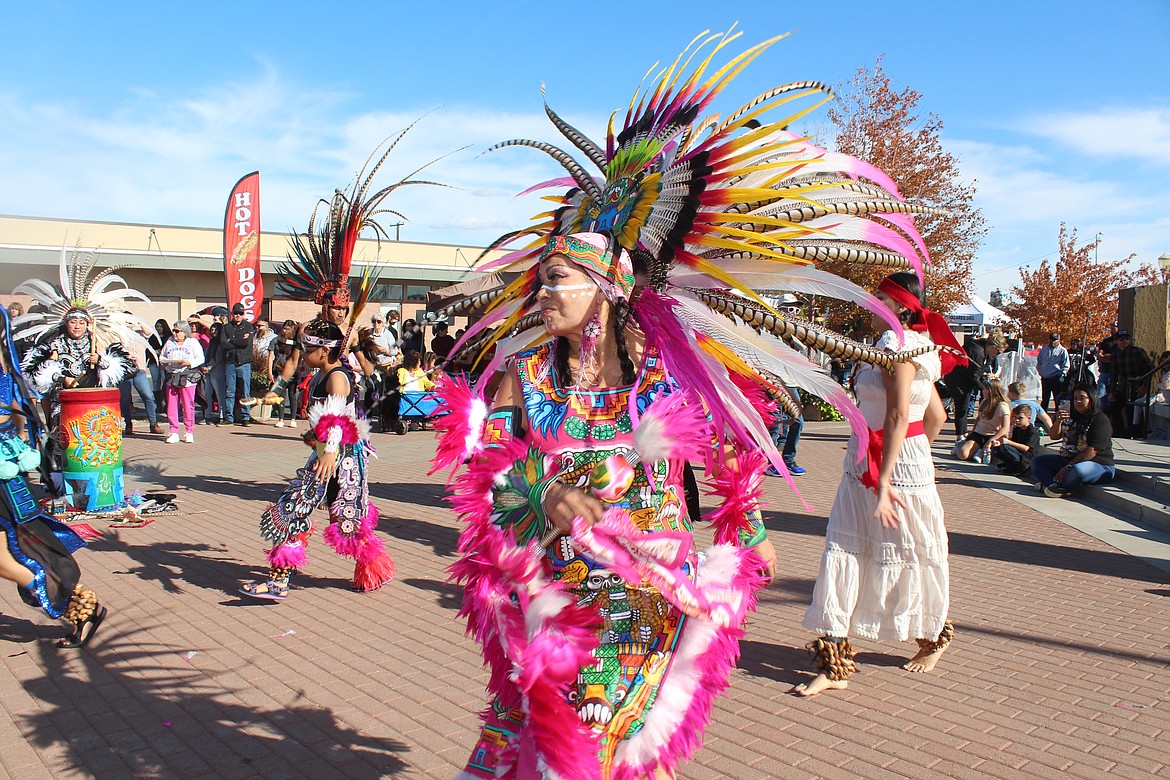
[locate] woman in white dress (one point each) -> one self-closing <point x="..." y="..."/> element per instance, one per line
<point x="884" y="572"/>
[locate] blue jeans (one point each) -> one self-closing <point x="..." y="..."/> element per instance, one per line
<point x="1084" y="473"/>
<point x="234" y="374"/>
<point x="213" y="387"/>
<point x="791" y="438"/>
<point x="141" y="382"/>
<point x="1011" y="459"/>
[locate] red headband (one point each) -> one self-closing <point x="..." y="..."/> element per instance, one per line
<point x="925" y="320"/>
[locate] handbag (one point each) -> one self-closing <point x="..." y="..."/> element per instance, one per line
<point x="183" y="377"/>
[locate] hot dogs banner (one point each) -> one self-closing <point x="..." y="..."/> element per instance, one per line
<point x="241" y="247"/>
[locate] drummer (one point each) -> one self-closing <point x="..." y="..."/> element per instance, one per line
<point x="71" y="358"/>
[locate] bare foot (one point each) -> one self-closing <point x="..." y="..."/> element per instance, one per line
<point x="818" y="684"/>
<point x="924" y="660"/>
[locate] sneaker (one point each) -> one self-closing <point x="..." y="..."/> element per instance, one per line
<point x="245" y="423"/>
<point x="771" y="472"/>
<point x="189" y="438"/>
<point x="1038" y="487"/>
<point x="985" y="456"/>
<point x="224" y="424"/>
<point x="795" y="470"/>
<point x="1056" y="491"/>
<point x="292" y="423"/>
<point x="280" y="423"/>
<point x="173" y="438"/>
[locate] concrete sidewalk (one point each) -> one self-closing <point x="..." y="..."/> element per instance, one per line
<point x="1060" y="666"/>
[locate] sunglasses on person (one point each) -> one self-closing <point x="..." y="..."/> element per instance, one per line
<point x="176" y="330"/>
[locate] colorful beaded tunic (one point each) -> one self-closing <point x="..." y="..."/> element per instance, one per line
<point x="639" y="631"/>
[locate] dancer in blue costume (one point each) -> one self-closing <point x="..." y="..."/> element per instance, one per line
<point x="38" y="551"/>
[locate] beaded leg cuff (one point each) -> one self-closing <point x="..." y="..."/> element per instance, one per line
<point x="833" y="657"/>
<point x="944" y="639"/>
<point x="279" y="574"/>
<point x="81" y="606"/>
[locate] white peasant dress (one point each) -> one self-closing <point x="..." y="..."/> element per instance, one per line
<point x="876" y="582"/>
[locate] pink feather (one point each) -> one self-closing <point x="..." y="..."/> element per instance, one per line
<point x="459" y="424"/>
<point x="740" y="487"/>
<point x="673" y="427"/>
<point x="291" y="555"/>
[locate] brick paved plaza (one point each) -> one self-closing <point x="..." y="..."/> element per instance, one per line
<point x="1059" y="668"/>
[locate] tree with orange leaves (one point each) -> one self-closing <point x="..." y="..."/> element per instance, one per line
<point x="1056" y="299"/>
<point x="881" y="126"/>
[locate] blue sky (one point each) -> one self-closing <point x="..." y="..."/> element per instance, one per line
<point x="126" y="112"/>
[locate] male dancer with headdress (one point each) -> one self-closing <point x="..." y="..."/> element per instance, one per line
<point x="320" y="272"/>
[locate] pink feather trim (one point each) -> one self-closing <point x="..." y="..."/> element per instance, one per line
<point x="493" y="619"/>
<point x="675" y="427"/>
<point x="700" y="671"/>
<point x="739" y="487"/>
<point x="288" y="554"/>
<point x="348" y="426"/>
<point x="460" y="429"/>
<point x="349" y="543"/>
<point x="562" y="637"/>
<point x="533" y="645"/>
<point x="374" y="567"/>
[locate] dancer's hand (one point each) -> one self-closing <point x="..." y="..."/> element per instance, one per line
<point x="768" y="553"/>
<point x="886" y="512"/>
<point x="325" y="466"/>
<point x="564" y="502"/>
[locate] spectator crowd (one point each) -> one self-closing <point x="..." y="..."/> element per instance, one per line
<point x="212" y="367"/>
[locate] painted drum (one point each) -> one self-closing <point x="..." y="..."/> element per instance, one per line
<point x="91" y="435"/>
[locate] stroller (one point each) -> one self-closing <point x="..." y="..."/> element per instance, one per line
<point x="415" y="407"/>
<point x="400" y="409"/>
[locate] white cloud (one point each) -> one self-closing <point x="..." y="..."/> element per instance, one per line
<point x="1026" y="190"/>
<point x="1023" y="185"/>
<point x="1109" y="133"/>
<point x="171" y="159"/>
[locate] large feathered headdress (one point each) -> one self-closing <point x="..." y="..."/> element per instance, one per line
<point x="318" y="268"/>
<point x="101" y="297"/>
<point x="713" y="210"/>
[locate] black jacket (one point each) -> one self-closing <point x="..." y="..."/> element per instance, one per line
<point x="236" y="342"/>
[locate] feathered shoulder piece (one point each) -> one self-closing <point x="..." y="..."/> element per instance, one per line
<point x="100" y="296"/>
<point x="318" y="268"/>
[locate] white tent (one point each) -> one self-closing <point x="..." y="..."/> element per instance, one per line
<point x="977" y="314"/>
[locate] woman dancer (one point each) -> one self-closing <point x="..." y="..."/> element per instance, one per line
<point x="334" y="474"/>
<point x="641" y="661"/>
<point x="606" y="634"/>
<point x="38" y="551"/>
<point x="884" y="573"/>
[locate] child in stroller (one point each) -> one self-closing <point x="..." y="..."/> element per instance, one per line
<point x="408" y="400"/>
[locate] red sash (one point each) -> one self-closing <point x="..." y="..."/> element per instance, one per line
<point x="877" y="440"/>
